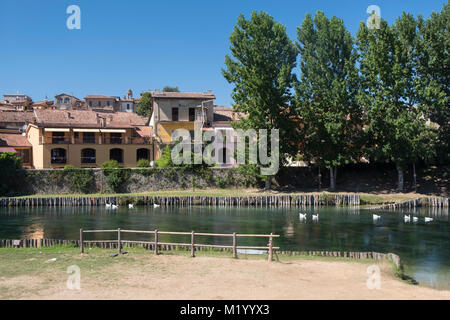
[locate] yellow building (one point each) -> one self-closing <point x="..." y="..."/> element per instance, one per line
<point x="86" y="139"/>
<point x="180" y="110"/>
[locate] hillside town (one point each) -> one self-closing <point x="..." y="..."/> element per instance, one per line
<point x="87" y="132"/>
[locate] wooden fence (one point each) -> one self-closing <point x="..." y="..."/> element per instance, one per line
<point x="156" y="243"/>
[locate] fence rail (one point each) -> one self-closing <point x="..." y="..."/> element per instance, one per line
<point x="156" y="243"/>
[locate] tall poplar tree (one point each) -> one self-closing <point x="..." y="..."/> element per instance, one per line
<point x="397" y="123"/>
<point x="261" y="70"/>
<point x="434" y="71"/>
<point x="331" y="119"/>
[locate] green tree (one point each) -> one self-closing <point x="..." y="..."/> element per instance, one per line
<point x="397" y="126"/>
<point x="170" y="89"/>
<point x="9" y="166"/>
<point x="165" y="160"/>
<point x="262" y="75"/>
<point x="331" y="118"/>
<point x="434" y="71"/>
<point x="144" y="107"/>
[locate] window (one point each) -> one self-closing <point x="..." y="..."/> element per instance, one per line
<point x="128" y="106"/>
<point x="67" y="100"/>
<point x="191" y="114"/>
<point x="58" y="138"/>
<point x="115" y="138"/>
<point x="99" y="103"/>
<point x="142" y="154"/>
<point x="116" y="154"/>
<point x="58" y="156"/>
<point x="88" y="156"/>
<point x="174" y="114"/>
<point x="108" y="103"/>
<point x="89" y="137"/>
<point x="24" y="155"/>
<point x="90" y="104"/>
<point x="59" y="100"/>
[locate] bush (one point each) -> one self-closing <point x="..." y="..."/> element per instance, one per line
<point x="9" y="166"/>
<point x="111" y="164"/>
<point x="143" y="163"/>
<point x="69" y="167"/>
<point x="81" y="180"/>
<point x="115" y="180"/>
<point x="165" y="160"/>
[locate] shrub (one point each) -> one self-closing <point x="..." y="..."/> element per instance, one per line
<point x="115" y="179"/>
<point x="9" y="172"/>
<point x="69" y="167"/>
<point x="143" y="163"/>
<point x="165" y="160"/>
<point x="81" y="180"/>
<point x="111" y="164"/>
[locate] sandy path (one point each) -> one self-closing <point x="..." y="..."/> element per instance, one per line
<point x="181" y="277"/>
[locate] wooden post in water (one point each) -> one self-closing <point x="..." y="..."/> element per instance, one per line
<point x="156" y="242"/>
<point x="271" y="248"/>
<point x="119" y="243"/>
<point x="234" y="246"/>
<point x="192" y="244"/>
<point x="81" y="241"/>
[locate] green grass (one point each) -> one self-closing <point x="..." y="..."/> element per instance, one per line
<point x="366" y="198"/>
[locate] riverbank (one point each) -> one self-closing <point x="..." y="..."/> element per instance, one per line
<point x="32" y="274"/>
<point x="232" y="197"/>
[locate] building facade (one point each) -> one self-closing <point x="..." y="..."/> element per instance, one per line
<point x="87" y="139"/>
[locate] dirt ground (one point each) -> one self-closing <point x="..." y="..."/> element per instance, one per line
<point x="181" y="277"/>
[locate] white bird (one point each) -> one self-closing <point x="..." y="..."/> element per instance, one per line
<point x="114" y="206"/>
<point x="415" y="219"/>
<point x="428" y="219"/>
<point x="302" y="216"/>
<point x="315" y="217"/>
<point x="108" y="205"/>
<point x="408" y="218"/>
<point x="131" y="206"/>
<point x="375" y="217"/>
<point x="156" y="205"/>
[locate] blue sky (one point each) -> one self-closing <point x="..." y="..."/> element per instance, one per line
<point x="145" y="44"/>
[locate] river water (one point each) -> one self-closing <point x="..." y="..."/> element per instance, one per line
<point x="423" y="247"/>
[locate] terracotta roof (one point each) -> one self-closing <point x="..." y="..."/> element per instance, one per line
<point x="14" y="140"/>
<point x="183" y="95"/>
<point x="144" y="131"/>
<point x="16" y="116"/>
<point x="97" y="96"/>
<point x="68" y="95"/>
<point x="222" y="114"/>
<point x="87" y="119"/>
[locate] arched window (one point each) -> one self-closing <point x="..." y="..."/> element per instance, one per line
<point x="66" y="100"/>
<point x="116" y="154"/>
<point x="142" y="154"/>
<point x="58" y="156"/>
<point x="88" y="156"/>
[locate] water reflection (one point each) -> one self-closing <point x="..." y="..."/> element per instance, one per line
<point x="424" y="247"/>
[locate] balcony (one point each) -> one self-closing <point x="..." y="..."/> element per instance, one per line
<point x="55" y="140"/>
<point x="95" y="140"/>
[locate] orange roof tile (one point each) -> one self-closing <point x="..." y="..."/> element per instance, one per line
<point x="14" y="140"/>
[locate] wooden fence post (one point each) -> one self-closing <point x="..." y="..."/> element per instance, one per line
<point x="271" y="248"/>
<point x="234" y="245"/>
<point x="81" y="241"/>
<point x="156" y="242"/>
<point x="119" y="243"/>
<point x="192" y="245"/>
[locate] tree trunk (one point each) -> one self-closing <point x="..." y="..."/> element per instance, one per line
<point x="268" y="183"/>
<point x="333" y="173"/>
<point x="400" y="178"/>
